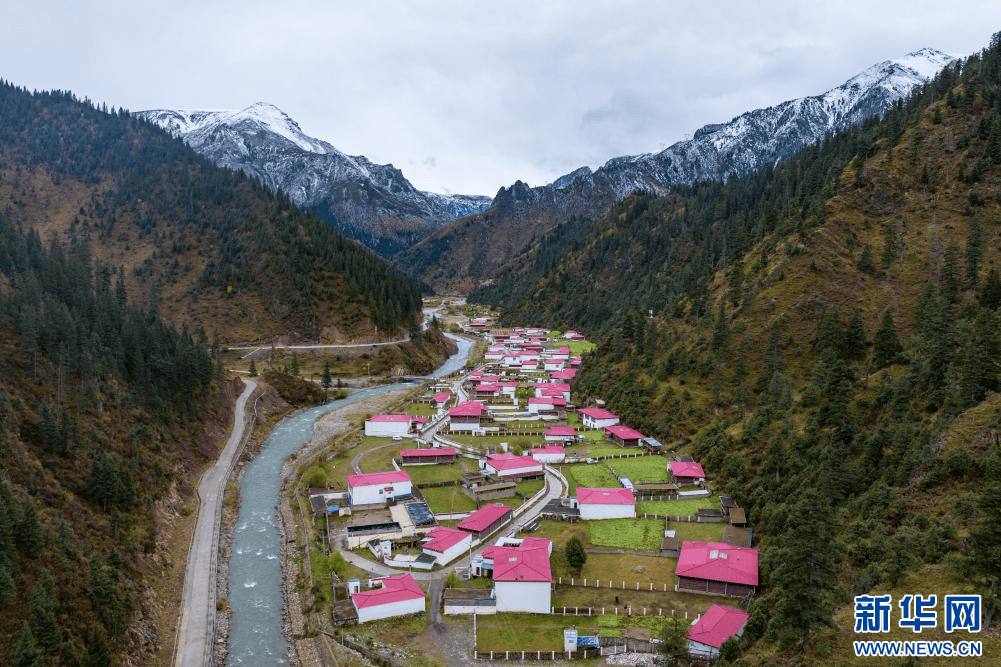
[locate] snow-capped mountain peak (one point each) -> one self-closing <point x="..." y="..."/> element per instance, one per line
<point x="370" y="202"/>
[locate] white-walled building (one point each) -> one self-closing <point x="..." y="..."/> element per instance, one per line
<point x="522" y="576"/>
<point x="601" y="503"/>
<point x="465" y="416"/>
<point x="597" y="418"/>
<point x="377" y="487"/>
<point x="387" y="426"/>
<point x="398" y="596"/>
<point x="512" y="466"/>
<point x="549" y="454"/>
<point x="713" y="628"/>
<point x="446" y="544"/>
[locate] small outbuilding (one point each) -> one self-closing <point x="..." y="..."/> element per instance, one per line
<point x="718" y="624"/>
<point x="687" y="472"/>
<point x="485" y="520"/>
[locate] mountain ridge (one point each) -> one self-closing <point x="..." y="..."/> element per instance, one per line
<point x="746" y="143"/>
<point x="369" y="202"/>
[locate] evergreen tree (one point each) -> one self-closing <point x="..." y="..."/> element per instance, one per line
<point x="980" y="359"/>
<point x="864" y="262"/>
<point x="854" y="340"/>
<point x="886" y="346"/>
<point x="984" y="555"/>
<point x="674" y="641"/>
<point x="576" y="556"/>
<point x="253" y="369"/>
<point x="27" y="653"/>
<point x="8" y="587"/>
<point x="802" y="572"/>
<point x="950" y="274"/>
<point x="990" y="295"/>
<point x="974" y="248"/>
<point x="327" y="379"/>
<point x="42" y="607"/>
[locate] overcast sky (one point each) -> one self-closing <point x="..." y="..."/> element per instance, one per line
<point x="469" y="96"/>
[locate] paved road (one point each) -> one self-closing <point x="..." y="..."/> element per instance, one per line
<point x="254" y="349"/>
<point x="196" y="630"/>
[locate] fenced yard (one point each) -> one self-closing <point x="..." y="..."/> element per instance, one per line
<point x="589" y="475"/>
<point x="641" y="534"/>
<point x="683" y="507"/>
<point x="651" y="468"/>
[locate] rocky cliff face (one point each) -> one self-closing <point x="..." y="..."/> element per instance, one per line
<point x="370" y="202"/>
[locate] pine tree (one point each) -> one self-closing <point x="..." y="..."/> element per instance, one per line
<point x="27" y="653"/>
<point x="42" y="607"/>
<point x="253" y="369"/>
<point x="327" y="379"/>
<point x="802" y="572"/>
<point x="576" y="556"/>
<point x="990" y="295"/>
<point x="886" y="346"/>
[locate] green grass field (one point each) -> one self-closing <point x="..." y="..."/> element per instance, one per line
<point x="589" y="475"/>
<point x="642" y="468"/>
<point x="686" y="507"/>
<point x="697" y="532"/>
<point x="441" y="472"/>
<point x="446" y="499"/>
<point x="619" y="567"/>
<point x="644" y="534"/>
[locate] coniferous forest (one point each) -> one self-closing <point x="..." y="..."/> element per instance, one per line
<point x="825" y="337"/>
<point x="98" y="399"/>
<point x="207" y="246"/>
<point x="126" y="262"/>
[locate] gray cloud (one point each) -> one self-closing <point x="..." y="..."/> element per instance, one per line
<point x="493" y="91"/>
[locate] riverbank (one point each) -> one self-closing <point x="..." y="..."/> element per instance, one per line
<point x="303" y="633"/>
<point x="271" y="410"/>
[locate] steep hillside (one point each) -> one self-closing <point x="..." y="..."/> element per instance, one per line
<point x="105" y="414"/>
<point x="372" y="203"/>
<point x="469" y="252"/>
<point x="824" y="338"/>
<point x="207" y="247"/>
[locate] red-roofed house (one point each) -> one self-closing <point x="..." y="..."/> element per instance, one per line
<point x="465" y="416"/>
<point x="687" y="472"/>
<point x="485" y="520"/>
<point x="565" y="375"/>
<point x="446" y="544"/>
<point x="624" y="436"/>
<point x="718" y="624"/>
<point x="441" y="399"/>
<point x="413" y="457"/>
<point x="544" y="389"/>
<point x="546" y="404"/>
<point x="600" y="503"/>
<point x="399" y="595"/>
<point x="523" y="579"/>
<point x="717" y="568"/>
<point x="387" y="426"/>
<point x="597" y="418"/>
<point x="555" y="365"/>
<point x="549" y="454"/>
<point x="487" y="390"/>
<point x="513" y="466"/>
<point x="377" y="487"/>
<point x="560" y="433"/>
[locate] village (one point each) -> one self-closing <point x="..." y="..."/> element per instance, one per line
<point x="558" y="530"/>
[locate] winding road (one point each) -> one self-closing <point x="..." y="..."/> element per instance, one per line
<point x="196" y="626"/>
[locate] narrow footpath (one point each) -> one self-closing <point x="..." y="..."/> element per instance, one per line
<point x="196" y="627"/>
